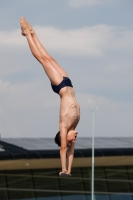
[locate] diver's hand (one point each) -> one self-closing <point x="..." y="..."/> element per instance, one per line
<point x="64" y="173"/>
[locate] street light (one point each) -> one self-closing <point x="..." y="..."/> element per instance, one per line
<point x="93" y="105"/>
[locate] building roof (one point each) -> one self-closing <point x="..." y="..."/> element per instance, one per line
<point x="16" y="148"/>
<point x="81" y="143"/>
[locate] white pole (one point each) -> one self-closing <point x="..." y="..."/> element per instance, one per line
<point x="92" y="186"/>
<point x="93" y="104"/>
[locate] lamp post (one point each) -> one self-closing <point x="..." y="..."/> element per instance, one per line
<point x="93" y="105"/>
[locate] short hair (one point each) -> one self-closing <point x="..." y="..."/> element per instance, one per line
<point x="57" y="139"/>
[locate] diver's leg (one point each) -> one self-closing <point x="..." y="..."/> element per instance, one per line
<point x="51" y="71"/>
<point x="44" y="52"/>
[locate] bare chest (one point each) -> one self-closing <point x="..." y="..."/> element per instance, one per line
<point x="69" y="113"/>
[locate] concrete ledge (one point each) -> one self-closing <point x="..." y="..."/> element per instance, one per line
<point x="55" y="162"/>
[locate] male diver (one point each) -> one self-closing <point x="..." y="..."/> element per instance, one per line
<point x="62" y="85"/>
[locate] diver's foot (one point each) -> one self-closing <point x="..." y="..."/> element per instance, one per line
<point x="30" y="27"/>
<point x="24" y="26"/>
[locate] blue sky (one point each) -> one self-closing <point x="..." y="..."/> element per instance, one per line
<point x="92" y="40"/>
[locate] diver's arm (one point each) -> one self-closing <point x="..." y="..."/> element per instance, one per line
<point x="70" y="156"/>
<point x="63" y="148"/>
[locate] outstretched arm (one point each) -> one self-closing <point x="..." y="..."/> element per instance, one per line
<point x="70" y="156"/>
<point x="63" y="148"/>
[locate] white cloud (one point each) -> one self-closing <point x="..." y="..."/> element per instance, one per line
<point x="89" y="3"/>
<point x="1" y="111"/>
<point x="4" y="86"/>
<point x="29" y="109"/>
<point x="91" y="41"/>
<point x="26" y="95"/>
<point x="12" y="38"/>
<point x="112" y="119"/>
